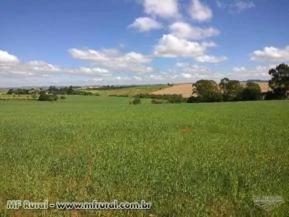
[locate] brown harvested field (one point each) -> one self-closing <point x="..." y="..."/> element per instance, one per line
<point x="181" y="89"/>
<point x="263" y="85"/>
<point x="186" y="89"/>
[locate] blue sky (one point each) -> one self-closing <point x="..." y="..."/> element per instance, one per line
<point x="95" y="42"/>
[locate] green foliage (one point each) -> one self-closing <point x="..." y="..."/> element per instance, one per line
<point x="207" y="91"/>
<point x="171" y="98"/>
<point x="136" y="101"/>
<point x="159" y="101"/>
<point x="280" y="81"/>
<point x="193" y="99"/>
<point x="272" y="96"/>
<point x="18" y="91"/>
<point x="70" y="91"/>
<point x="48" y="97"/>
<point x="231" y="89"/>
<point x="121" y="95"/>
<point x="252" y="91"/>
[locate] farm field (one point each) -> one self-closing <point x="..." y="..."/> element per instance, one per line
<point x="130" y="91"/>
<point x="186" y="159"/>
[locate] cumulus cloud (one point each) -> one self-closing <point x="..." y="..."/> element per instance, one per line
<point x="114" y="60"/>
<point x="272" y="54"/>
<point x="43" y="69"/>
<point x="200" y="12"/>
<point x="12" y="67"/>
<point x="185" y="30"/>
<point x="32" y="68"/>
<point x="6" y="57"/>
<point x="145" y="24"/>
<point x="171" y="46"/>
<point x="163" y="8"/>
<point x="258" y="72"/>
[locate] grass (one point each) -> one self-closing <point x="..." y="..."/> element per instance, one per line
<point x="187" y="159"/>
<point x="4" y="96"/>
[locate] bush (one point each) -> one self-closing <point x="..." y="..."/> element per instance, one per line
<point x="62" y="97"/>
<point x="121" y="95"/>
<point x="193" y="99"/>
<point x="136" y="101"/>
<point x="251" y="92"/>
<point x="48" y="97"/>
<point x="273" y="96"/>
<point x="159" y="101"/>
<point x="171" y="98"/>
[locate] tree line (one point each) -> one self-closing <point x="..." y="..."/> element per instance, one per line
<point x="51" y="93"/>
<point x="233" y="90"/>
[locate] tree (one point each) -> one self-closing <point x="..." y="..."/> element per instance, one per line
<point x="251" y="92"/>
<point x="48" y="97"/>
<point x="223" y="84"/>
<point x="70" y="90"/>
<point x="207" y="91"/>
<point x="280" y="80"/>
<point x="136" y="101"/>
<point x="231" y="89"/>
<point x="10" y="91"/>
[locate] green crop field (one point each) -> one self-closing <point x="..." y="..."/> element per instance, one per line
<point x="186" y="159"/>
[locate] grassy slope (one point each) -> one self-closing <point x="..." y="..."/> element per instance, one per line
<point x="187" y="159"/>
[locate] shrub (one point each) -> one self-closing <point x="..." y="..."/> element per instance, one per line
<point x="121" y="95"/>
<point x="136" y="101"/>
<point x="270" y="95"/>
<point x="171" y="98"/>
<point x="63" y="97"/>
<point x="251" y="92"/>
<point x="48" y="97"/>
<point x="193" y="99"/>
<point x="159" y="101"/>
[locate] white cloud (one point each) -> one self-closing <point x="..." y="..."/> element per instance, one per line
<point x="145" y="24"/>
<point x="32" y="68"/>
<point x="114" y="60"/>
<point x="171" y="46"/>
<point x="6" y="58"/>
<point x="210" y="59"/>
<point x="272" y="54"/>
<point x="200" y="12"/>
<point x="161" y="8"/>
<point x="42" y="66"/>
<point x="93" y="71"/>
<point x="12" y="67"/>
<point x="196" y="72"/>
<point x="239" y="69"/>
<point x="185" y="30"/>
<point x="243" y="73"/>
<point x="237" y="6"/>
